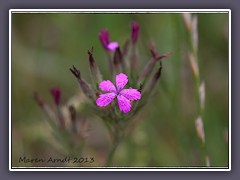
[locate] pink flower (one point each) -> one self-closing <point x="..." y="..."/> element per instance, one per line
<point x="105" y="40"/>
<point x="124" y="96"/>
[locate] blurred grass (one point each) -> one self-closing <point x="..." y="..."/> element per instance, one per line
<point x="44" y="46"/>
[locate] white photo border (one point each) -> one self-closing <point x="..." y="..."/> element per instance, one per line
<point x="120" y="11"/>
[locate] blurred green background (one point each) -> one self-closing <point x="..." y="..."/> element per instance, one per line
<point x="44" y="46"/>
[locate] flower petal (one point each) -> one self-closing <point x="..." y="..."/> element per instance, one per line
<point x="121" y="81"/>
<point x="105" y="99"/>
<point x="107" y="86"/>
<point x="112" y="46"/>
<point x="131" y="94"/>
<point x="124" y="104"/>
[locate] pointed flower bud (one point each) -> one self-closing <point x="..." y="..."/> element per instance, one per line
<point x="135" y="32"/>
<point x="87" y="90"/>
<point x="95" y="72"/>
<point x="104" y="38"/>
<point x="56" y="93"/>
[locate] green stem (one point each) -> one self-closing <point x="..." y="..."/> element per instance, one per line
<point x="111" y="154"/>
<point x="118" y="137"/>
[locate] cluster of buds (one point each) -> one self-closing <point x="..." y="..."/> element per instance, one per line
<point x="118" y="98"/>
<point x="67" y="128"/>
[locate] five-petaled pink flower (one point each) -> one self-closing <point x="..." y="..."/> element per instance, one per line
<point x="124" y="96"/>
<point x="105" y="40"/>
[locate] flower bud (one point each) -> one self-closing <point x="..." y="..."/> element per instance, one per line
<point x="135" y="32"/>
<point x="87" y="90"/>
<point x="56" y="93"/>
<point x="104" y="38"/>
<point x="95" y="72"/>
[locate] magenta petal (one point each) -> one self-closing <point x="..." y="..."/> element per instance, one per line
<point x="124" y="104"/>
<point x="107" y="86"/>
<point x="121" y="81"/>
<point x="105" y="99"/>
<point x="112" y="46"/>
<point x="131" y="94"/>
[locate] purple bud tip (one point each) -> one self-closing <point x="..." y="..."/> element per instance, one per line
<point x="76" y="72"/>
<point x="90" y="54"/>
<point x="56" y="93"/>
<point x="104" y="38"/>
<point x="135" y="31"/>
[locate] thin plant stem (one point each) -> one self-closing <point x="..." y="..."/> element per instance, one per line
<point x="191" y="27"/>
<point x="111" y="154"/>
<point x="117" y="139"/>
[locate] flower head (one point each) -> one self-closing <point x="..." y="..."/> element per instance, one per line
<point x="135" y="30"/>
<point x="105" y="40"/>
<point x="124" y="96"/>
<point x="56" y="93"/>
